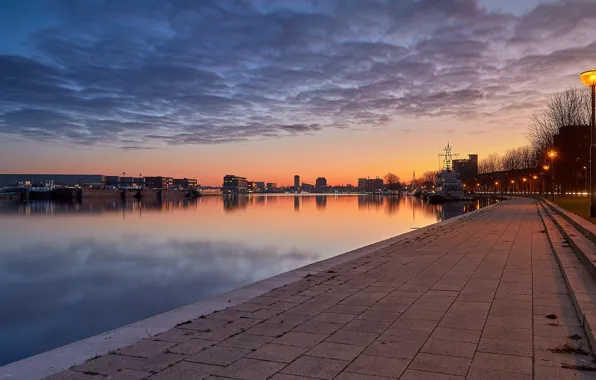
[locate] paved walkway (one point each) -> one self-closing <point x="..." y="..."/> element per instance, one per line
<point x="467" y="300"/>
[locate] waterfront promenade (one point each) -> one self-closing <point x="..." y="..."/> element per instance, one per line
<point x="466" y="299"/>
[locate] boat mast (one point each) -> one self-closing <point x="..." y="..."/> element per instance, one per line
<point x="447" y="157"/>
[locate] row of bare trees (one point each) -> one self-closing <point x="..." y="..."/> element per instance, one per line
<point x="523" y="157"/>
<point x="571" y="107"/>
<point x="567" y="108"/>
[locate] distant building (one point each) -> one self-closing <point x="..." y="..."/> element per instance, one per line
<point x="159" y="182"/>
<point x="466" y="168"/>
<point x="296" y="182"/>
<point x="185" y="183"/>
<point x="368" y="184"/>
<point x="251" y="186"/>
<point x="234" y="184"/>
<point x="260" y="185"/>
<point x="126" y="182"/>
<point x="112" y="181"/>
<point x="321" y="183"/>
<point x="362" y="183"/>
<point x="307" y="187"/>
<point x="83" y="180"/>
<point x="572" y="145"/>
<point x="271" y="186"/>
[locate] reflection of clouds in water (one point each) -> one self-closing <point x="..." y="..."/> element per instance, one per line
<point x="62" y="293"/>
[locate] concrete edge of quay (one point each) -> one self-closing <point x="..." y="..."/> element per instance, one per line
<point x="574" y="246"/>
<point x="62" y="358"/>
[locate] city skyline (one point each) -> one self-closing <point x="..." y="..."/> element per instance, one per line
<point x="269" y="89"/>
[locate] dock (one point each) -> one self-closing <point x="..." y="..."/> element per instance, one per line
<point x="505" y="292"/>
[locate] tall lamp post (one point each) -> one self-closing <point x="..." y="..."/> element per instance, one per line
<point x="589" y="79"/>
<point x="586" y="180"/>
<point x="544" y="190"/>
<point x="552" y="154"/>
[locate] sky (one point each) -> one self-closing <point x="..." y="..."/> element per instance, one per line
<point x="269" y="88"/>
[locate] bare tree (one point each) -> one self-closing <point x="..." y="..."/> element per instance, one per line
<point x="490" y="164"/>
<point x="523" y="157"/>
<point x="392" y="181"/>
<point x="571" y="107"/>
<point x="429" y="177"/>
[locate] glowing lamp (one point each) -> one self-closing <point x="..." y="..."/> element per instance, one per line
<point x="524" y="179"/>
<point x="546" y="167"/>
<point x="534" y="176"/>
<point x="589" y="77"/>
<point x="552" y="154"/>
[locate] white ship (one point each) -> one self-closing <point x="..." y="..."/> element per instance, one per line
<point x="447" y="187"/>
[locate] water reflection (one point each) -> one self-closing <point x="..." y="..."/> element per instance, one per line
<point x="71" y="270"/>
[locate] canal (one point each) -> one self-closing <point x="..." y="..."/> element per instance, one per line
<point x="69" y="270"/>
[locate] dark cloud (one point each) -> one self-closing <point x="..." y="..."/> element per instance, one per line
<point x="140" y="74"/>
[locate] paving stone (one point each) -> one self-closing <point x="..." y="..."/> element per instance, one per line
<point x="398" y="335"/>
<point x="505" y="363"/>
<point x="334" y="317"/>
<point x="506" y="347"/>
<point x="320" y="368"/>
<point x="300" y="339"/>
<point x="507" y="333"/>
<point x="365" y="325"/>
<point x="191" y="347"/>
<point x="176" y="335"/>
<point x="202" y="324"/>
<point x="129" y="374"/>
<point x="313" y="326"/>
<point x="400" y="350"/>
<point x="336" y="351"/>
<point x="414" y="324"/>
<point x="359" y="376"/>
<point x="273" y="330"/>
<point x="283" y="376"/>
<point x="227" y="315"/>
<point x="449" y="347"/>
<point x="291" y="320"/>
<point x="346" y="309"/>
<point x="423" y="314"/>
<point x="155" y="363"/>
<point x="146" y="348"/>
<point x="186" y="371"/>
<point x="377" y="315"/>
<point x="251" y="369"/>
<point x="358" y="338"/>
<point x="246" y="340"/>
<point x="263" y="314"/>
<point x="462" y="323"/>
<point x="219" y="355"/>
<point x="72" y="375"/>
<point x="278" y="353"/>
<point x="109" y="364"/>
<point x="441" y="364"/>
<point x="411" y="374"/>
<point x="378" y="366"/>
<point x="459" y="335"/>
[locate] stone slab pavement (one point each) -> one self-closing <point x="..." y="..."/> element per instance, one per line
<point x="466" y="300"/>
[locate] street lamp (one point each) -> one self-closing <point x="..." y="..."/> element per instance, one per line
<point x="552" y="154"/>
<point x="524" y="184"/>
<point x="496" y="186"/>
<point x="534" y="177"/>
<point x="589" y="79"/>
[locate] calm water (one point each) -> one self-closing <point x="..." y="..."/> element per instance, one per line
<point x="69" y="271"/>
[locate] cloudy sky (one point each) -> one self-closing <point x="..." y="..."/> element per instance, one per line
<point x="273" y="88"/>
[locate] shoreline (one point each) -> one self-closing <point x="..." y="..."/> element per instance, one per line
<point x="58" y="359"/>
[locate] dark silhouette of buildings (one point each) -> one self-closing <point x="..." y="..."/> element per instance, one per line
<point x="467" y="168"/>
<point x="572" y="145"/>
